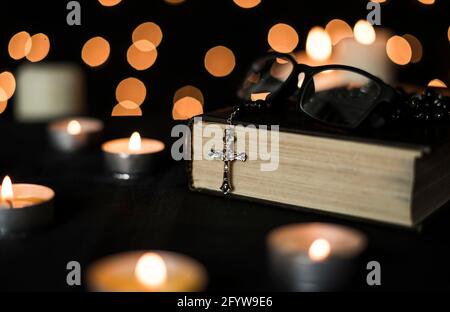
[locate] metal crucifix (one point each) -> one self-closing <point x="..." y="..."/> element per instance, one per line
<point x="227" y="155"/>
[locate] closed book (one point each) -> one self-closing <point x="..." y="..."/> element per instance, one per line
<point x="397" y="174"/>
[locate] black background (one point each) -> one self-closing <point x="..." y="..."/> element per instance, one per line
<point x="96" y="216"/>
<point x="190" y="29"/>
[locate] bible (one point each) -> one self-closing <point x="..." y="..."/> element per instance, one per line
<point x="397" y="174"/>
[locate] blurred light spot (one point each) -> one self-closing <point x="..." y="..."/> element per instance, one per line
<point x="95" y="51"/>
<point x="281" y="69"/>
<point x="219" y="61"/>
<point x="142" y="59"/>
<point x="186" y="107"/>
<point x="448" y="33"/>
<point x="378" y="1"/>
<point x="174" y="2"/>
<point x="144" y="45"/>
<point x="364" y="32"/>
<point x="3" y="105"/>
<point x="120" y="110"/>
<point x="109" y="3"/>
<point x="190" y="91"/>
<point x="416" y="48"/>
<point x="132" y="90"/>
<point x="399" y="50"/>
<point x="338" y="30"/>
<point x="282" y="38"/>
<point x="129" y="104"/>
<point x="148" y="31"/>
<point x="40" y="46"/>
<point x="7" y="86"/>
<point x="259" y="96"/>
<point x="436" y="83"/>
<point x="19" y="45"/>
<point x="247" y="4"/>
<point x="318" y="44"/>
<point x="428" y="2"/>
<point x="74" y="127"/>
<point x="319" y="250"/>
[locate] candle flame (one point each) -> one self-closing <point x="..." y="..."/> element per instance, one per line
<point x="135" y="142"/>
<point x="7" y="193"/>
<point x="151" y="270"/>
<point x="319" y="250"/>
<point x="74" y="127"/>
<point x="318" y="44"/>
<point x="364" y="32"/>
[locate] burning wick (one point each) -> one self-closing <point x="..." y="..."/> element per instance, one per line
<point x="151" y="270"/>
<point x="7" y="194"/>
<point x="319" y="250"/>
<point x="135" y="142"/>
<point x="74" y="127"/>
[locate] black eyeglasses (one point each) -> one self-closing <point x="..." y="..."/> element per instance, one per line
<point x="337" y="95"/>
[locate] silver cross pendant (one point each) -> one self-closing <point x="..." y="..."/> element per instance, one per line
<point x="227" y="155"/>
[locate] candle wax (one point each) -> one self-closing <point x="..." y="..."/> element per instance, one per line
<point x="21" y="202"/>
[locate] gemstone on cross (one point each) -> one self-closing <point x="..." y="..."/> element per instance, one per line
<point x="227" y="155"/>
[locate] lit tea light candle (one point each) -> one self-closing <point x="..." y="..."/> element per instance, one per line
<point x="24" y="207"/>
<point x="152" y="271"/>
<point x="314" y="256"/>
<point x="71" y="135"/>
<point x="127" y="158"/>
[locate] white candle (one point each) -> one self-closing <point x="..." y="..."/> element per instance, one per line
<point x="24" y="207"/>
<point x="151" y="271"/>
<point x="46" y="91"/>
<point x="313" y="256"/>
<point x="73" y="134"/>
<point x="135" y="145"/>
<point x="367" y="51"/>
<point x="22" y="195"/>
<point x="126" y="158"/>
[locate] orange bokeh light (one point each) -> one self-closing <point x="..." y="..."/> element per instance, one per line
<point x="95" y="51"/>
<point x="416" y="48"/>
<point x="219" y="61"/>
<point x="428" y="2"/>
<point x="399" y="50"/>
<point x="148" y="31"/>
<point x="188" y="101"/>
<point x="142" y="55"/>
<point x="437" y="83"/>
<point x="121" y="111"/>
<point x="3" y="105"/>
<point x="40" y="46"/>
<point x="188" y="91"/>
<point x="282" y="38"/>
<point x="247" y="4"/>
<point x="174" y="2"/>
<point x="19" y="45"/>
<point x="338" y="30"/>
<point x="131" y="90"/>
<point x="7" y="85"/>
<point x="109" y="3"/>
<point x="186" y="107"/>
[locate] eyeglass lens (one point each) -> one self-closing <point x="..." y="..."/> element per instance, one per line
<point x="339" y="97"/>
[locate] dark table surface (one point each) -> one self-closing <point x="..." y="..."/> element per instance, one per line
<point x="98" y="216"/>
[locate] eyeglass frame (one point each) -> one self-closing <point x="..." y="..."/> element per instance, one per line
<point x="290" y="86"/>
